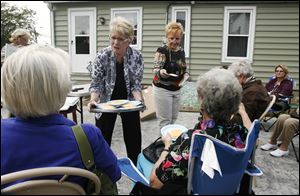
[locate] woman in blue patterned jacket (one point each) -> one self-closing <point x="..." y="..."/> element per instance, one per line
<point x="117" y="74"/>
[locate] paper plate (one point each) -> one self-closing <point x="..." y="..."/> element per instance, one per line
<point x="175" y="130"/>
<point x="118" y="102"/>
<point x="130" y="105"/>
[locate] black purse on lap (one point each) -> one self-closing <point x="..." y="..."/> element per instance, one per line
<point x="153" y="151"/>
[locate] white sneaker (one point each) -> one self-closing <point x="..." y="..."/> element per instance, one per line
<point x="268" y="146"/>
<point x="279" y="153"/>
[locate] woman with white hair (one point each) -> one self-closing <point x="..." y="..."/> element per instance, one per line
<point x="255" y="95"/>
<point x="34" y="86"/>
<point x="117" y="74"/>
<point x="219" y="95"/>
<point x="18" y="39"/>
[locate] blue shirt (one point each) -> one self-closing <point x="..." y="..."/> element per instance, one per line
<point x="49" y="141"/>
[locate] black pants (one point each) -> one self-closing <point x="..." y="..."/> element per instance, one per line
<point x="131" y="131"/>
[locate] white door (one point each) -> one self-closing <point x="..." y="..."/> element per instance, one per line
<point x="82" y="45"/>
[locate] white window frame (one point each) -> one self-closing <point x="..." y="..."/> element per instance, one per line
<point x="251" y="35"/>
<point x="139" y="12"/>
<point x="187" y="10"/>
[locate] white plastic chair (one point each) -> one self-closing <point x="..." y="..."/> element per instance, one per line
<point x="48" y="186"/>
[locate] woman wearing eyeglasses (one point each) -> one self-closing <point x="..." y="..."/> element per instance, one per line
<point x="117" y="74"/>
<point x="169" y="70"/>
<point x="281" y="86"/>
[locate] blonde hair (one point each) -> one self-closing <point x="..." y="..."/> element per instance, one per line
<point x="121" y="25"/>
<point x="173" y="27"/>
<point x="35" y="81"/>
<point x="19" y="33"/>
<point x="283" y="67"/>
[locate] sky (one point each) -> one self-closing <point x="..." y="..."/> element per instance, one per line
<point x="42" y="17"/>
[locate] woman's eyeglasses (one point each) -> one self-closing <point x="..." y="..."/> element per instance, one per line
<point x="279" y="71"/>
<point x="120" y="40"/>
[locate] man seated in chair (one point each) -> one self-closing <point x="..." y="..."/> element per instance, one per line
<point x="255" y="95"/>
<point x="280" y="86"/>
<point x="219" y="98"/>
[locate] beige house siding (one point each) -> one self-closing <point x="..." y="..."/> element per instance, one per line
<point x="276" y="34"/>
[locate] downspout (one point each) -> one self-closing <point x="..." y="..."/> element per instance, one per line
<point x="167" y="16"/>
<point x="50" y="6"/>
<point x="167" y="13"/>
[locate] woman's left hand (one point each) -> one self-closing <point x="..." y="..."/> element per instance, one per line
<point x="167" y="140"/>
<point x="138" y="96"/>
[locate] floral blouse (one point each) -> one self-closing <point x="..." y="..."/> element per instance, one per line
<point x="104" y="73"/>
<point x="175" y="167"/>
<point x="172" y="62"/>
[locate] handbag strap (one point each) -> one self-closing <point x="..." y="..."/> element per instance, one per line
<point x="84" y="147"/>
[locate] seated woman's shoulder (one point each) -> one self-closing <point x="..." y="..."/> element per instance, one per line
<point x="90" y="128"/>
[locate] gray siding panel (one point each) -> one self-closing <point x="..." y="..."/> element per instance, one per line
<point x="276" y="37"/>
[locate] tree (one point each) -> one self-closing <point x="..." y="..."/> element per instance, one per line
<point x="13" y="17"/>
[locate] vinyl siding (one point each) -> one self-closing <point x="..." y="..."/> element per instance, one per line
<point x="277" y="39"/>
<point x="276" y="34"/>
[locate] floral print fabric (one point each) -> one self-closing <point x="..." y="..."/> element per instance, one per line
<point x="175" y="167"/>
<point x="172" y="62"/>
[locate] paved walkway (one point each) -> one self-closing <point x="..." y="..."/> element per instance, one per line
<point x="281" y="175"/>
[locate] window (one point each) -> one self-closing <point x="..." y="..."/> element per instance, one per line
<point x="183" y="15"/>
<point x="238" y="33"/>
<point x="133" y="15"/>
<point x="82" y="34"/>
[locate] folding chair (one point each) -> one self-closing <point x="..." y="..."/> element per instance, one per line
<point x="272" y="113"/>
<point x="70" y="106"/>
<point x="268" y="108"/>
<point x="293" y="145"/>
<point x="232" y="162"/>
<point x="47" y="186"/>
<point x="251" y="170"/>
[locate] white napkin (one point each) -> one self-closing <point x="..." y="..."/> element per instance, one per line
<point x="210" y="159"/>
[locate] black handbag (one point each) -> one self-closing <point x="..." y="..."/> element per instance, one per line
<point x="153" y="151"/>
<point x="167" y="189"/>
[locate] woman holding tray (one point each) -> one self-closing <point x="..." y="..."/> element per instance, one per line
<point x="117" y="74"/>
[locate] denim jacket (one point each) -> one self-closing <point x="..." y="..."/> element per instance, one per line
<point x="104" y="73"/>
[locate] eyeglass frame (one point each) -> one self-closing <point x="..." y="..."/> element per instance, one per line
<point x="119" y="40"/>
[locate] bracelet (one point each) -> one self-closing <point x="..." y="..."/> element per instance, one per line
<point x="166" y="150"/>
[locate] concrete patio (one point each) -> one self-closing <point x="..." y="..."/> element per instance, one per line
<point x="281" y="175"/>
